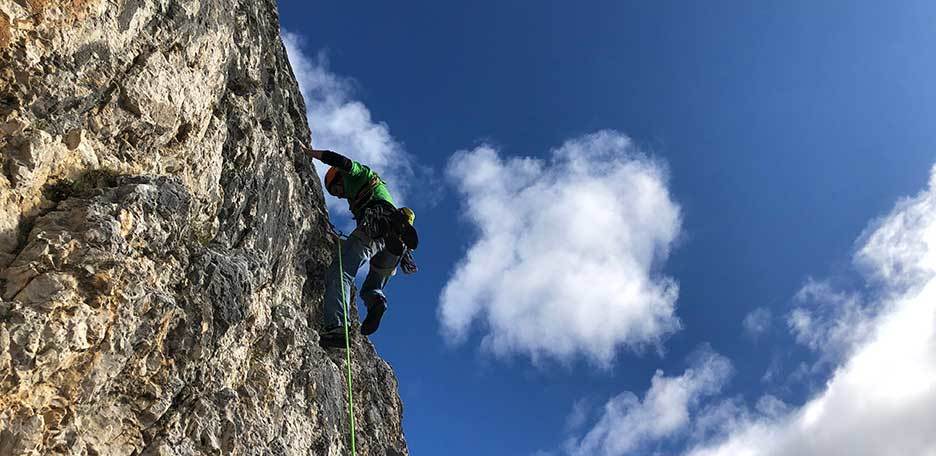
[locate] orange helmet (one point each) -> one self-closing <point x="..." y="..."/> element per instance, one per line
<point x="331" y="177"/>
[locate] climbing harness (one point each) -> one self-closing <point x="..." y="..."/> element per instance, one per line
<point x="385" y="222"/>
<point x="365" y="194"/>
<point x="347" y="335"/>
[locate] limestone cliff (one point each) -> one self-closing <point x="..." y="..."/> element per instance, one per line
<point x="162" y="243"/>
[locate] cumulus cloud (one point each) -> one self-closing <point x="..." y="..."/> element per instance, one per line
<point x="665" y="411"/>
<point x="757" y="322"/>
<point x="567" y="251"/>
<point x="343" y="124"/>
<point x="881" y="399"/>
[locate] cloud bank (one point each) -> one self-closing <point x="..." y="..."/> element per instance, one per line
<point x="567" y="250"/>
<point x="881" y="400"/>
<point x="344" y="125"/>
<point x="881" y="396"/>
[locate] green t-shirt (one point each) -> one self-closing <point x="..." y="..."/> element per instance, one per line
<point x="358" y="178"/>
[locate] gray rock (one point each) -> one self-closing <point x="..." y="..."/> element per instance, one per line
<point x="163" y="243"/>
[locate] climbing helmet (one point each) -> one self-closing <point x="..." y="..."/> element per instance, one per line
<point x="332" y="177"/>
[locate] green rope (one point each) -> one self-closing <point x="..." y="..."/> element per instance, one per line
<point x="344" y="303"/>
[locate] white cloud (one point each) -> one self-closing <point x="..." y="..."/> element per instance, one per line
<point x="774" y="369"/>
<point x="881" y="400"/>
<point x="771" y="406"/>
<point x="578" y="416"/>
<point x="757" y="322"/>
<point x="829" y="321"/>
<point x="344" y="125"/>
<point x="717" y="417"/>
<point x="665" y="411"/>
<point x="567" y="251"/>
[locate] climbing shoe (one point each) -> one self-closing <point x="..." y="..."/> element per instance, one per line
<point x="375" y="312"/>
<point x="332" y="338"/>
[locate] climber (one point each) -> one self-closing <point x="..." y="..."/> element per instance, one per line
<point x="384" y="235"/>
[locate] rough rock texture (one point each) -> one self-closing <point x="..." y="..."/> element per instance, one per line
<point x="162" y="243"/>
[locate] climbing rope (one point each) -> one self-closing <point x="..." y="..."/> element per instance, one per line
<point x="344" y="303"/>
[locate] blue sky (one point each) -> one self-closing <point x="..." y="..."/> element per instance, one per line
<point x="647" y="227"/>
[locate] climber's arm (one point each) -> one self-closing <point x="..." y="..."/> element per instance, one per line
<point x="335" y="159"/>
<point x="331" y="159"/>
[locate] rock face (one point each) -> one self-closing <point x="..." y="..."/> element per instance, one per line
<point x="163" y="243"/>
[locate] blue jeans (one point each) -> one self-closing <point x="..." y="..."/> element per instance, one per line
<point x="355" y="251"/>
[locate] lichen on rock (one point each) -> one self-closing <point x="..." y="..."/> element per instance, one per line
<point x="163" y="243"/>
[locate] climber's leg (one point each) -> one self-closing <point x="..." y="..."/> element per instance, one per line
<point x="355" y="250"/>
<point x="382" y="266"/>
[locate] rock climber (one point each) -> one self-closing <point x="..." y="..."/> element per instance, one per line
<point x="384" y="235"/>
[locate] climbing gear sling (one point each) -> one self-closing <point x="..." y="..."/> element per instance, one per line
<point x="382" y="220"/>
<point x="408" y="263"/>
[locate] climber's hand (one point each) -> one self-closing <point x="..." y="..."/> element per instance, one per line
<point x="317" y="154"/>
